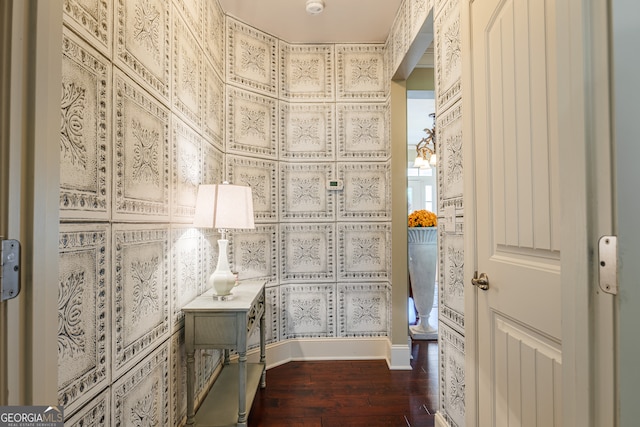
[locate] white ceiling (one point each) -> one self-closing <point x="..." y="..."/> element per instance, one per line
<point x="342" y="21"/>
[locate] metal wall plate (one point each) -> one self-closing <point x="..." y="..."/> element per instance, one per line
<point x="10" y="280"/>
<point x="608" y="264"/>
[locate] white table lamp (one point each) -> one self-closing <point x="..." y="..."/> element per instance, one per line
<point x="225" y="207"/>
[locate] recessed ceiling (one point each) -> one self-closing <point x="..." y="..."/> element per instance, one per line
<point x="342" y="21"/>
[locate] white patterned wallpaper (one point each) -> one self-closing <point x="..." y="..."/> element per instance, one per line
<point x="160" y="96"/>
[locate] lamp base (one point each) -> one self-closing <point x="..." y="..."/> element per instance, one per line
<point x="222" y="280"/>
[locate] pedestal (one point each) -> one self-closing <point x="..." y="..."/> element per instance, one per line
<point x="423" y="256"/>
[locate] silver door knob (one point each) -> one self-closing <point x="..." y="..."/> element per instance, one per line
<point x="481" y="282"/>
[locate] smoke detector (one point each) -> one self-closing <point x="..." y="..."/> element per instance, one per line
<point x="315" y="7"/>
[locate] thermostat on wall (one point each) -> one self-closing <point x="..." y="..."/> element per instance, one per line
<point x="335" y="184"/>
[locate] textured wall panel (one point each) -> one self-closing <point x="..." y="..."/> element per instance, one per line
<point x="213" y="106"/>
<point x="306" y="72"/>
<point x="214" y="41"/>
<point x="141" y="396"/>
<point x="252" y="58"/>
<point x="95" y="414"/>
<point x="360" y="72"/>
<point x="140" y="268"/>
<point x="452" y="375"/>
<point x="308" y="311"/>
<point x="141" y="158"/>
<point x="93" y="19"/>
<point x="366" y="191"/>
<point x="449" y="128"/>
<point x="186" y="270"/>
<point x="307" y="252"/>
<point x="84" y="329"/>
<point x="212" y="164"/>
<point x="448" y="55"/>
<point x="254" y="253"/>
<point x="451" y="280"/>
<point x="186" y="147"/>
<point x="303" y="192"/>
<point x="363" y="131"/>
<point x="307" y="131"/>
<point x="261" y="176"/>
<point x="252" y="124"/>
<point x="187" y="73"/>
<point x="363" y="309"/>
<point x="142" y="42"/>
<point x="364" y="251"/>
<point x="85" y="131"/>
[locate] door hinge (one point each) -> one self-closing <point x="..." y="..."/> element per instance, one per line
<point x="10" y="273"/>
<point x="608" y="264"/>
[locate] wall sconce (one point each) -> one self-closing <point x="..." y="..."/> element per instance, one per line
<point x="225" y="207"/>
<point x="426" y="148"/>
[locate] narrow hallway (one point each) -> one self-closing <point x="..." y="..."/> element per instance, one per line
<point x="350" y="393"/>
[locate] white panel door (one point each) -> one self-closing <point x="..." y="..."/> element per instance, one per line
<point x="515" y="133"/>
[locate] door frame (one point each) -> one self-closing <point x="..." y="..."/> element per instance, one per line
<point x="30" y="198"/>
<point x="588" y="371"/>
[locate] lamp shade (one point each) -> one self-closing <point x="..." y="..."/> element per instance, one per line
<point x="224" y="206"/>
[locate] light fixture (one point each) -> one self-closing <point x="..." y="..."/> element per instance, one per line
<point x="225" y="207"/>
<point x="426" y="148"/>
<point x="315" y="7"/>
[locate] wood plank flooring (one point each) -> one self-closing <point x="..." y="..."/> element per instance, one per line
<point x="350" y="393"/>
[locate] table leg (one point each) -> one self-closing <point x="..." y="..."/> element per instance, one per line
<point x="242" y="388"/>
<point x="263" y="378"/>
<point x="191" y="379"/>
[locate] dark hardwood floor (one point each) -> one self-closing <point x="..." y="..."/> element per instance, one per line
<point x="350" y="393"/>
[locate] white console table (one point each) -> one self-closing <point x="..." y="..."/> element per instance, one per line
<point x="226" y="325"/>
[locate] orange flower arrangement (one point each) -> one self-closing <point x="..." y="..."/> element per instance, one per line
<point x="423" y="218"/>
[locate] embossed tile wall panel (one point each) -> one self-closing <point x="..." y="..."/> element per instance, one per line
<point x="303" y="192"/>
<point x="186" y="162"/>
<point x="363" y="309"/>
<point x="207" y="361"/>
<point x="254" y="253"/>
<point x="418" y="10"/>
<point x="213" y="106"/>
<point x="451" y="282"/>
<point x="452" y="375"/>
<point x="96" y="413"/>
<point x="214" y="41"/>
<point x="306" y="72"/>
<point x="142" y="395"/>
<point x="187" y="73"/>
<point x="307" y="252"/>
<point x="141" y="158"/>
<point x="449" y="128"/>
<point x="308" y="311"/>
<point x="186" y="277"/>
<point x="93" y="19"/>
<point x="252" y="58"/>
<point x="140" y="289"/>
<point x="360" y="72"/>
<point x="307" y="131"/>
<point x="261" y="176"/>
<point x="252" y="124"/>
<point x="142" y="42"/>
<point x="448" y="58"/>
<point x="212" y="164"/>
<point x="364" y="251"/>
<point x="178" y="379"/>
<point x="366" y="191"/>
<point x="192" y="13"/>
<point x="363" y="131"/>
<point x="85" y="131"/>
<point x="84" y="329"/>
<point x="399" y="36"/>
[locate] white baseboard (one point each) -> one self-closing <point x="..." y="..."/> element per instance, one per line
<point x="440" y="421"/>
<point x="397" y="356"/>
